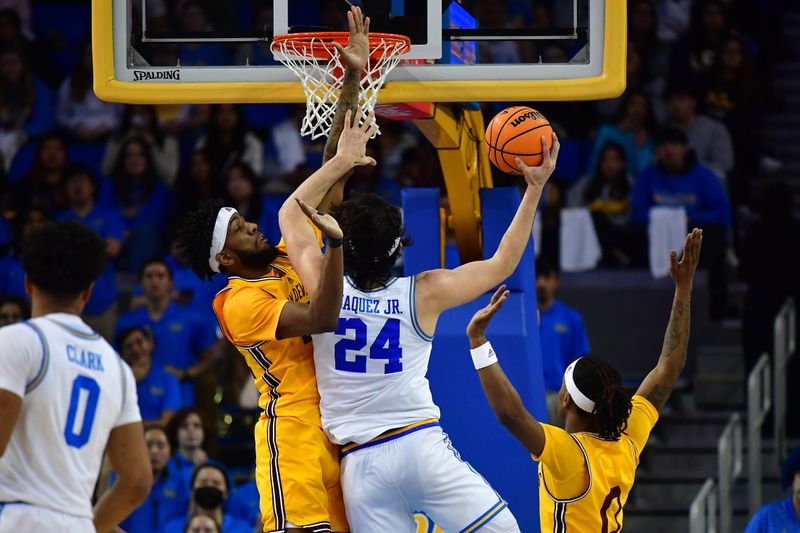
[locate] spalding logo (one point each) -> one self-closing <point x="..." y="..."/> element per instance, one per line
<point x="141" y="75"/>
<point x="522" y="118"/>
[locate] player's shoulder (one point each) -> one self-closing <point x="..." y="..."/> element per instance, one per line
<point x="14" y="335"/>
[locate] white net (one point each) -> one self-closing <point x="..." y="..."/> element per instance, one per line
<point x="322" y="77"/>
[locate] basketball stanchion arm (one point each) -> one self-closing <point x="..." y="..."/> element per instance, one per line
<point x="457" y="135"/>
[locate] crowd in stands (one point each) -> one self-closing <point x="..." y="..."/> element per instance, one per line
<point x="685" y="133"/>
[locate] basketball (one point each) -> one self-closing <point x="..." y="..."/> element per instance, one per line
<point x="517" y="132"/>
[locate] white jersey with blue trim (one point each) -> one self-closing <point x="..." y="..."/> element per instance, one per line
<point x="371" y="370"/>
<point x="75" y="389"/>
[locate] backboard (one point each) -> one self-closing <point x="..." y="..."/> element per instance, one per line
<point x="189" y="51"/>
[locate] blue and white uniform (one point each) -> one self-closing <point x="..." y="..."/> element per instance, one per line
<point x="75" y="389"/>
<point x="376" y="401"/>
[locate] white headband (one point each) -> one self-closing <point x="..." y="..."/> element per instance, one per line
<point x="395" y="246"/>
<point x="580" y="399"/>
<point x="219" y="235"/>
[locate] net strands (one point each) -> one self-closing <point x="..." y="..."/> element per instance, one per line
<point x="315" y="61"/>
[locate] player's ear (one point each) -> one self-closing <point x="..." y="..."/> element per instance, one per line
<point x="87" y="293"/>
<point x="225" y="258"/>
<point x="28" y="285"/>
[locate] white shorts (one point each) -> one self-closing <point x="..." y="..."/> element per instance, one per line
<point x="19" y="517"/>
<point x="385" y="483"/>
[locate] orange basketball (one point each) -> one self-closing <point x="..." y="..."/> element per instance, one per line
<point x="517" y="132"/>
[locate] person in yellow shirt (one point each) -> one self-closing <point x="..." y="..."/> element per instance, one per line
<point x="587" y="469"/>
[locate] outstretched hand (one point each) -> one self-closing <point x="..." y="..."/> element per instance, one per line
<point x="682" y="271"/>
<point x="326" y="223"/>
<point x="476" y="330"/>
<point x="353" y="140"/>
<point x="356" y="55"/>
<point x="539" y="175"/>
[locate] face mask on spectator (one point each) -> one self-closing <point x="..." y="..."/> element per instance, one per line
<point x="208" y="497"/>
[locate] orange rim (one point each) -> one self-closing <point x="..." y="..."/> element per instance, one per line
<point x="316" y="43"/>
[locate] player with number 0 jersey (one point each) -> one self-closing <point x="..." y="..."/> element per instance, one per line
<point x="65" y="397"/>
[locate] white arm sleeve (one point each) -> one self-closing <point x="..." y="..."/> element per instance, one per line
<point x="22" y="358"/>
<point x="129" y="413"/>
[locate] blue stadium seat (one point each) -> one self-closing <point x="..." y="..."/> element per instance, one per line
<point x="22" y="162"/>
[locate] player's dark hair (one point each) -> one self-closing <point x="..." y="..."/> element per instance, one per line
<point x="123" y="335"/>
<point x="602" y="384"/>
<point x="371" y="226"/>
<point x="155" y="261"/>
<point x="63" y="258"/>
<point x="193" y="237"/>
<point x="215" y="467"/>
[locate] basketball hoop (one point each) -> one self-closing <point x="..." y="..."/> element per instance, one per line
<point x="313" y="58"/>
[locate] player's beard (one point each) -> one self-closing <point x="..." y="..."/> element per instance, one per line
<point x="259" y="259"/>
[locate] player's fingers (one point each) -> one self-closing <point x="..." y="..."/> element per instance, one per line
<point x="347" y="119"/>
<point x="546" y="160"/>
<point x="366" y="26"/>
<point x="555" y="148"/>
<point x="339" y="48"/>
<point x="521" y="165"/>
<point x="673" y="259"/>
<point x="368" y="120"/>
<point x="351" y="22"/>
<point x="304" y="207"/>
<point x="369" y="161"/>
<point x="497" y="294"/>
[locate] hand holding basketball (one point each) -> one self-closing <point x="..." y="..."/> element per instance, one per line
<point x="352" y="144"/>
<point x="539" y="175"/>
<point x="356" y="55"/>
<point x="515" y="133"/>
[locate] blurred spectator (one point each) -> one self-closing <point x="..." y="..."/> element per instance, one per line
<point x="43" y="185"/>
<point x="256" y="53"/>
<point x="643" y="32"/>
<point x="228" y="140"/>
<point x="11" y="274"/>
<point x="244" y="503"/>
<point x="241" y="193"/>
<point x="169" y="497"/>
<point x="13" y="309"/>
<point x="373" y="180"/>
<point x="194" y="20"/>
<point x="707" y="137"/>
<point x="633" y="130"/>
<point x="678" y="180"/>
<point x="200" y="523"/>
<point x="78" y="110"/>
<point x="81" y="191"/>
<point x="187" y="435"/>
<point x="607" y="195"/>
<point x="143" y="200"/>
<point x="22" y="10"/>
<point x="672" y="19"/>
<point x="26" y="107"/>
<point x="769" y="268"/>
<point x="288" y="142"/>
<point x="140" y="122"/>
<point x="159" y="393"/>
<point x="210" y="489"/>
<point x="15" y="34"/>
<point x="783" y="515"/>
<point x="695" y="55"/>
<point x="394" y="140"/>
<point x="195" y="183"/>
<point x="561" y="331"/>
<point x="182" y="338"/>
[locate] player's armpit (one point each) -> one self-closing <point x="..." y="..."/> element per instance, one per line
<point x="10" y="406"/>
<point x="128" y="456"/>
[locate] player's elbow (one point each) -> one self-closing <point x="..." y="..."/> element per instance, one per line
<point x="138" y="486"/>
<point x="510" y="414"/>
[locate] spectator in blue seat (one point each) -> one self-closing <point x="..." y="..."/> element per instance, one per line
<point x="187" y="435"/>
<point x="561" y="331"/>
<point x="12" y="277"/>
<point x="200" y="523"/>
<point x="43" y="185"/>
<point x="678" y="180"/>
<point x="143" y="199"/>
<point x="78" y="110"/>
<point x="159" y="392"/>
<point x="169" y="496"/>
<point x="141" y="122"/>
<point x="26" y="104"/>
<point x="15" y="33"/>
<point x="244" y="503"/>
<point x="182" y="338"/>
<point x="228" y="140"/>
<point x="81" y="191"/>
<point x="210" y="489"/>
<point x="783" y="515"/>
<point x="194" y="20"/>
<point x="196" y="183"/>
<point x="13" y="309"/>
<point x="607" y="195"/>
<point x="633" y="131"/>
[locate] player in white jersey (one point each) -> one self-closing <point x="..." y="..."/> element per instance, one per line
<point x="65" y="397"/>
<point x="375" y="399"/>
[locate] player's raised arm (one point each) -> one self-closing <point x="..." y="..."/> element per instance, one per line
<point x="503" y="397"/>
<point x="322" y="314"/>
<point x="301" y="243"/>
<point x="658" y="384"/>
<point x="438" y="290"/>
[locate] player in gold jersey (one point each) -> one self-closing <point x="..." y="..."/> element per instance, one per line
<point x="587" y="470"/>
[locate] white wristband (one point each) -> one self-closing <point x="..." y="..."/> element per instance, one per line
<point x="483" y="356"/>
